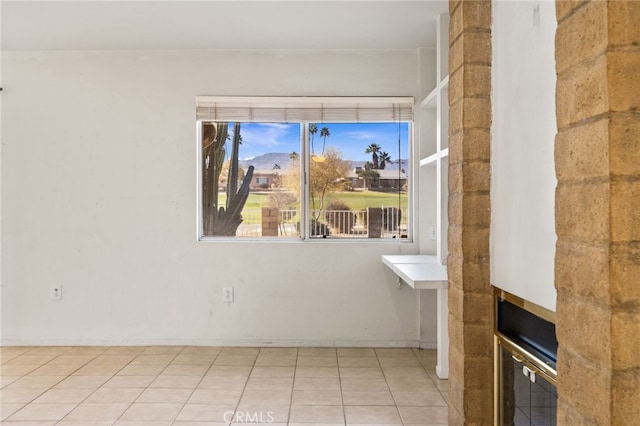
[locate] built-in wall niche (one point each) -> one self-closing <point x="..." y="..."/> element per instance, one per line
<point x="434" y="144"/>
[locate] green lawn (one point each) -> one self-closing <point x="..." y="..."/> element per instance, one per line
<point x="357" y="200"/>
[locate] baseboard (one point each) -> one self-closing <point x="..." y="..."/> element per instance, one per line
<point x="428" y="345"/>
<point x="222" y="342"/>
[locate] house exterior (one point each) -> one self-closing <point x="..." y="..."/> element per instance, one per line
<point x="387" y="180"/>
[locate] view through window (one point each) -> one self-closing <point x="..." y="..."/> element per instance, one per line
<point x="310" y="180"/>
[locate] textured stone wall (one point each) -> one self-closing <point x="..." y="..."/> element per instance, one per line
<point x="598" y="212"/>
<point x="470" y="294"/>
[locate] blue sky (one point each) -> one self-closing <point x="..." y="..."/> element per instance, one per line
<point x="350" y="138"/>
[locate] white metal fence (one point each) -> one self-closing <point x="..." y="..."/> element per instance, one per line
<point x="348" y="224"/>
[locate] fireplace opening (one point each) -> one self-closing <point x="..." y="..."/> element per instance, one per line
<point x="525" y="359"/>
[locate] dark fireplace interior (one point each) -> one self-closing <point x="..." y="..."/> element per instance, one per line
<point x="526" y="353"/>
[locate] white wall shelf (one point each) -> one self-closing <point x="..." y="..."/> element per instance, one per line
<point x="425" y="272"/>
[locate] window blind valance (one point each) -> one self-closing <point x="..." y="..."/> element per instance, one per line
<point x="304" y="109"/>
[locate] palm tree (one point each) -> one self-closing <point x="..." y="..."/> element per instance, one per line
<point x="324" y="134"/>
<point x="368" y="174"/>
<point x="313" y="129"/>
<point x="384" y="158"/>
<point x="373" y="149"/>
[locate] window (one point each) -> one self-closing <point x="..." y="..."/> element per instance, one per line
<point x="329" y="168"/>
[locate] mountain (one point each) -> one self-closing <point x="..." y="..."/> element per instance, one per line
<point x="267" y="161"/>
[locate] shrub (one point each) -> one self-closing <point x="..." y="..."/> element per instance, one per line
<point x="340" y="217"/>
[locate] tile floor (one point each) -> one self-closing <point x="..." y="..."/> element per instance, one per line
<point x="171" y="385"/>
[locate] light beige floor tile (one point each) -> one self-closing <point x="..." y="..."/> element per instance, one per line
<point x="195" y="359"/>
<point x="367" y="398"/>
<point x="7" y="380"/>
<point x="234" y="360"/>
<point x="113" y="359"/>
<point x="317" y="414"/>
<point x="407" y="373"/>
<point x="313" y="424"/>
<point x="31" y="359"/>
<point x="206" y="413"/>
<point x="129" y="381"/>
<point x="63" y="396"/>
<point x="20" y="395"/>
<point x="176" y="382"/>
<point x="266" y="397"/>
<point x="276" y="361"/>
<point x="372" y="414"/>
<point x="330" y="352"/>
<point x="48" y="350"/>
<point x="363" y="384"/>
<point x="141" y="370"/>
<point x="142" y="411"/>
<point x="395" y="352"/>
<point x="364" y="372"/>
<point x="398" y="362"/>
<point x="114" y="395"/>
<point x="317" y="397"/>
<point x="165" y="395"/>
<point x="124" y="350"/>
<point x="54" y="370"/>
<point x="162" y="350"/>
<point x="201" y="350"/>
<point x="35" y="423"/>
<point x="90" y="412"/>
<point x="229" y="371"/>
<point x="65" y="422"/>
<point x="279" y="351"/>
<point x="263" y="413"/>
<point x="273" y="371"/>
<point x="356" y="352"/>
<point x="317" y="361"/>
<point x="216" y="396"/>
<point x="159" y="359"/>
<point x="213" y="382"/>
<point x="36" y="412"/>
<point x="185" y="370"/>
<point x="8" y="409"/>
<point x="421" y="398"/>
<point x="316" y="383"/>
<point x="317" y="372"/>
<point x="417" y="384"/>
<point x="17" y="369"/>
<point x="270" y="383"/>
<point x="97" y="370"/>
<point x="36" y="381"/>
<point x="424" y="415"/>
<point x="141" y="423"/>
<point x="179" y="423"/>
<point x="236" y="351"/>
<point x="82" y="382"/>
<point x="85" y="350"/>
<point x="77" y="360"/>
<point x="358" y="361"/>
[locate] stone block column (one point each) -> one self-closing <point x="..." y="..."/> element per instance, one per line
<point x="597" y="159"/>
<point x="270" y="221"/>
<point x="470" y="292"/>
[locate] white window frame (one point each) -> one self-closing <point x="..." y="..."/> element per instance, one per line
<point x="293" y="110"/>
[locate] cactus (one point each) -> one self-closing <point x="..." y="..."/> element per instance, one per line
<point x="222" y="220"/>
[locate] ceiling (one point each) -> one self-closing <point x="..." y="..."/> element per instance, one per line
<point x="214" y="24"/>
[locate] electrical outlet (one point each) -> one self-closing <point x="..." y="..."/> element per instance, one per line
<point x="433" y="233"/>
<point x="56" y="292"/>
<point x="227" y="294"/>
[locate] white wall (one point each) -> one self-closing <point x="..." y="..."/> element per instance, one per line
<point x="524" y="126"/>
<point x="99" y="196"/>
